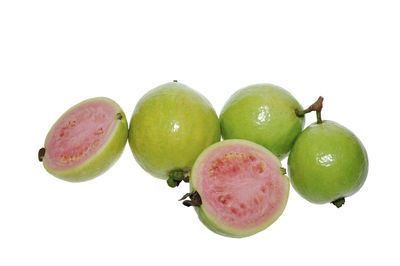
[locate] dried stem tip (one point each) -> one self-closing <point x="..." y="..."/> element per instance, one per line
<point x="195" y="199"/>
<point x="41" y="154"/>
<point x="339" y="202"/>
<point x="176" y="176"/>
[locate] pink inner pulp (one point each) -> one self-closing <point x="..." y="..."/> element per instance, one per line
<point x="241" y="187"/>
<point x="79" y="134"/>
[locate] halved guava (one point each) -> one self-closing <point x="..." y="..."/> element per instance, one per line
<point x="86" y="140"/>
<point x="241" y="185"/>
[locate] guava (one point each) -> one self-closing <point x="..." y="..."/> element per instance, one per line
<point x="238" y="188"/>
<point x="327" y="162"/>
<point x="86" y="140"/>
<point x="170" y="126"/>
<point x="264" y="114"/>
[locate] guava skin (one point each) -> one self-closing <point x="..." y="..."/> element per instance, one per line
<point x="327" y="162"/>
<point x="170" y="126"/>
<point x="264" y="114"/>
<point x="104" y="158"/>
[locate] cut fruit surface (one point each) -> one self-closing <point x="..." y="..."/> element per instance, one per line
<point x="80" y="134"/>
<point x="241" y="186"/>
<point x="86" y="140"/>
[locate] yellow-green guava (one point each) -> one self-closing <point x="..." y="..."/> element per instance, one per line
<point x="264" y="114"/>
<point x="327" y="163"/>
<point x="170" y="126"/>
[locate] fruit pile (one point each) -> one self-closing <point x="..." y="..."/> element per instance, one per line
<point x="237" y="186"/>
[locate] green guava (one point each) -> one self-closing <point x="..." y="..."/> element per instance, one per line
<point x="86" y="140"/>
<point x="327" y="163"/>
<point x="238" y="188"/>
<point x="170" y="126"/>
<point x="264" y="114"/>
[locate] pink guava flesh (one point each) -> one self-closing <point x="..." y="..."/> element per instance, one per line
<point x="79" y="134"/>
<point x="241" y="187"/>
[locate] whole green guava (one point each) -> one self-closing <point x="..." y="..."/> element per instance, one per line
<point x="264" y="114"/>
<point x="170" y="126"/>
<point x="327" y="163"/>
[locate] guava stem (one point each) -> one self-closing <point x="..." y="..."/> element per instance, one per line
<point x="339" y="202"/>
<point x="317" y="107"/>
<point x="195" y="199"/>
<point x="177" y="176"/>
<point x="319" y="119"/>
<point x="41" y="154"/>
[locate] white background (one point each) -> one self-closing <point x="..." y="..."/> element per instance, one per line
<point x="54" y="54"/>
